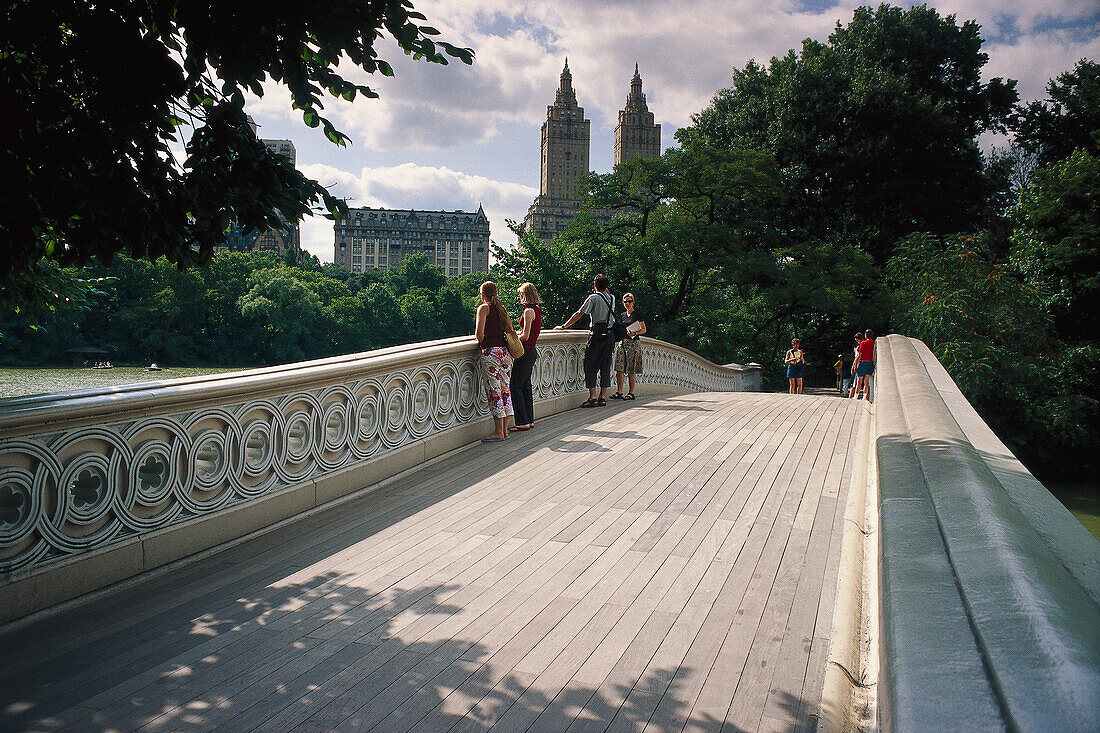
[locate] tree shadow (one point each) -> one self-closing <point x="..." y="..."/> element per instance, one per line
<point x="326" y="652"/>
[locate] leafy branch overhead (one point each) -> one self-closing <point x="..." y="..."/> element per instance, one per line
<point x="105" y="91"/>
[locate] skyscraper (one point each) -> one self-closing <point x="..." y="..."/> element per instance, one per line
<point x="280" y="239"/>
<point x="636" y="134"/>
<point x="286" y="236"/>
<point x="565" y="146"/>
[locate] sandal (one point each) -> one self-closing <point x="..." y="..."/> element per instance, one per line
<point x="617" y="396"/>
<point x="628" y="396"/>
<point x="601" y="403"/>
<point x="588" y="403"/>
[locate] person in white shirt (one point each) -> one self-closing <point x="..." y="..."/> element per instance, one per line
<point x="600" y="309"/>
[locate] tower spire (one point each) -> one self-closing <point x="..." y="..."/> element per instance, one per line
<point x="566" y="96"/>
<point x="635" y="101"/>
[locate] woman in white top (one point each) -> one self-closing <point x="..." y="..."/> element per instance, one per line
<point x="795" y="360"/>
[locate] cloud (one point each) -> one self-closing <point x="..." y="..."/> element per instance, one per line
<point x="1036" y="59"/>
<point x="687" y="50"/>
<point x="411" y="186"/>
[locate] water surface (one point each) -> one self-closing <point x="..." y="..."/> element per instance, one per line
<point x="16" y="382"/>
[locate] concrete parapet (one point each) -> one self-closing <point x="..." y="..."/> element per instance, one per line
<point x="100" y="485"/>
<point x="989" y="605"/>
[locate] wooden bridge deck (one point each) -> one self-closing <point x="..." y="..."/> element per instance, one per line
<point x="664" y="564"/>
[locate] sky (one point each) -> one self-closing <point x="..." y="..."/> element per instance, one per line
<point x="456" y="136"/>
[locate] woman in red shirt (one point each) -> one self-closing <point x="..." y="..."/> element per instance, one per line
<point x="865" y="365"/>
<point x="523" y="399"/>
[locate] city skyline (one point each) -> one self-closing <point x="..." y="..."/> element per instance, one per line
<point x="457" y="137"/>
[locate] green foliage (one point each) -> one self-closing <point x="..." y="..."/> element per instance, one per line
<point x="1056" y="243"/>
<point x="874" y="132"/>
<point x="45" y="291"/>
<point x="105" y="90"/>
<point x="1068" y="120"/>
<point x="243" y="309"/>
<point x="993" y="335"/>
<point x="696" y="236"/>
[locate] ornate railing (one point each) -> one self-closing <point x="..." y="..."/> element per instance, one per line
<point x="84" y="471"/>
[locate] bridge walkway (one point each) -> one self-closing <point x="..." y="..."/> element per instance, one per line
<point x="668" y="563"/>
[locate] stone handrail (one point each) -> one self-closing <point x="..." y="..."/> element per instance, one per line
<point x="990" y="589"/>
<point x="99" y="485"/>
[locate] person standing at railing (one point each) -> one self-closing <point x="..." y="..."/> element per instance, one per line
<point x="600" y="309"/>
<point x="628" y="354"/>
<point x="492" y="321"/>
<point x="865" y="365"/>
<point x="530" y="326"/>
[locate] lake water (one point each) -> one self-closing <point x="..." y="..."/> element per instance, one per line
<point x="18" y="382"/>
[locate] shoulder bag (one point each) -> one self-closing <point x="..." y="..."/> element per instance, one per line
<point x="515" y="346"/>
<point x="618" y="331"/>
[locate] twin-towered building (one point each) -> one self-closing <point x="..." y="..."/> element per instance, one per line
<point x="565" y="149"/>
<point x="458" y="241"/>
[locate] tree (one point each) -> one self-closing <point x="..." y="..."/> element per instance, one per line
<point x="874" y="132"/>
<point x="557" y="269"/>
<point x="105" y="90"/>
<point x="289" y="311"/>
<point x="1056" y="243"/>
<point x="1068" y="120"/>
<point x="992" y="333"/>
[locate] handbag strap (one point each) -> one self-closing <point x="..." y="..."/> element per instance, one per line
<point x="610" y="303"/>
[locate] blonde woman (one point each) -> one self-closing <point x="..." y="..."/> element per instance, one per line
<point x="491" y="323"/>
<point x="628" y="354"/>
<point x="795" y="360"/>
<point x="530" y="327"/>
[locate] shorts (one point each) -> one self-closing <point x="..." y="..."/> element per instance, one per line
<point x="865" y="369"/>
<point x="628" y="357"/>
<point x="794" y="371"/>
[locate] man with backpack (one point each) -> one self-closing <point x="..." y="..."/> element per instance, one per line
<point x="600" y="309"/>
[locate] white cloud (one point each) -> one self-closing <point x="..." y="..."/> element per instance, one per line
<point x="686" y="49"/>
<point x="411" y="186"/>
<point x="1036" y="59"/>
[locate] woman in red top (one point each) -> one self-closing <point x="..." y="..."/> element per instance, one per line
<point x="865" y="365"/>
<point x="530" y="328"/>
<point x="492" y="321"/>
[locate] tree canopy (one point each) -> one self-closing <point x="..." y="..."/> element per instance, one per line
<point x="875" y="131"/>
<point x="1067" y="121"/>
<point x="105" y="91"/>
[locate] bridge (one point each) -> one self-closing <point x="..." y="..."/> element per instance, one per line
<point x="326" y="546"/>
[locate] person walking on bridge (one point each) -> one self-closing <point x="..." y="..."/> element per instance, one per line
<point x="855" y="360"/>
<point x="865" y="365"/>
<point x="628" y="354"/>
<point x="795" y="360"/>
<point x="600" y="309"/>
